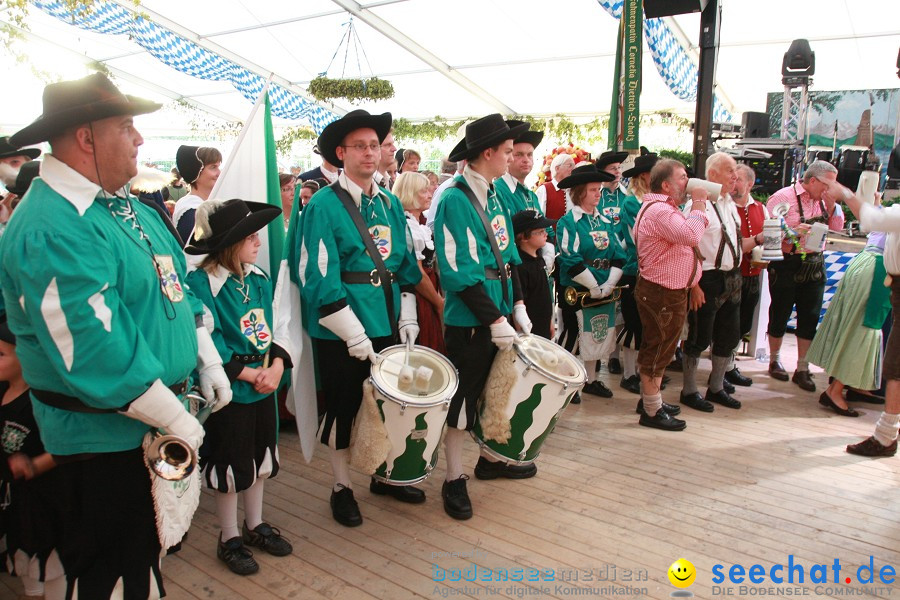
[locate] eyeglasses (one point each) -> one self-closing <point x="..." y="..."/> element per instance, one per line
<point x="363" y="147"/>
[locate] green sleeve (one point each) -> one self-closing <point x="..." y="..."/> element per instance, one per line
<point x="569" y="257"/>
<point x="319" y="265"/>
<point x="89" y="337"/>
<point x="456" y="242"/>
<point x="199" y="282"/>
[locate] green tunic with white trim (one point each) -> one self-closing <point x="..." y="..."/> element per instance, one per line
<point x="242" y="314"/>
<point x="516" y="198"/>
<point x="585" y="238"/>
<point x="93" y="317"/>
<point x="630" y="208"/>
<point x="330" y="243"/>
<point x="463" y="250"/>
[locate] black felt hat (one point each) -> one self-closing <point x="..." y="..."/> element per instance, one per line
<point x="585" y="174"/>
<point x="528" y="136"/>
<point x="188" y="163"/>
<point x="485" y="133"/>
<point x="26" y="175"/>
<point x="335" y="132"/>
<point x="229" y="222"/>
<point x="69" y="103"/>
<point x="8" y="150"/>
<point x="527" y="220"/>
<point x="642" y="164"/>
<point x="609" y="157"/>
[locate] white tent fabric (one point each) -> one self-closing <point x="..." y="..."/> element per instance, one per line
<point x="472" y="57"/>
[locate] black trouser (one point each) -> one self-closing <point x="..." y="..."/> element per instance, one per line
<point x="632" y="332"/>
<point x="472" y="352"/>
<point x="750" y="292"/>
<point x="717" y="321"/>
<point x="796" y="281"/>
<point x="568" y="335"/>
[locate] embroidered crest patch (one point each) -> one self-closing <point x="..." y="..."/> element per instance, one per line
<point x="611" y="213"/>
<point x="501" y="233"/>
<point x="256" y="329"/>
<point x="600" y="327"/>
<point x="168" y="278"/>
<point x="601" y="239"/>
<point x="381" y="235"/>
<point x="13" y="437"/>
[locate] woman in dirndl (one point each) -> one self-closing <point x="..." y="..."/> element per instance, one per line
<point x="591" y="262"/>
<point x="848" y="343"/>
<point x="415" y="193"/>
<point x="239" y="451"/>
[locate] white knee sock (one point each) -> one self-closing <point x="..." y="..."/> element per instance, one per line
<point x="453" y="443"/>
<point x="253" y="504"/>
<point x="886" y="429"/>
<point x="652" y="404"/>
<point x="591" y="367"/>
<point x="226" y="512"/>
<point x="629" y="362"/>
<point x="340" y="467"/>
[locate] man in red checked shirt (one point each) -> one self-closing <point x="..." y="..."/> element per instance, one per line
<point x="799" y="279"/>
<point x="669" y="263"/>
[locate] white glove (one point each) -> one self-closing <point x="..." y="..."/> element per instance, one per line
<point x="587" y="279"/>
<point x="162" y="409"/>
<point x="346" y="326"/>
<point x="409" y="320"/>
<point x="548" y="253"/>
<point x="214" y="383"/>
<point x="615" y="274"/>
<point x="520" y="316"/>
<point x="503" y="335"/>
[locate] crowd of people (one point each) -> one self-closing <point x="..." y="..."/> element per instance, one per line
<point x="107" y="326"/>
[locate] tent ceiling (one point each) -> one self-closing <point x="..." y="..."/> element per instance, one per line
<point x="516" y="53"/>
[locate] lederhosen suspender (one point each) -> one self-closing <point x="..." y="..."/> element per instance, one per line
<point x="384" y="276"/>
<point x="501" y="266"/>
<point x="698" y="257"/>
<point x="725" y="239"/>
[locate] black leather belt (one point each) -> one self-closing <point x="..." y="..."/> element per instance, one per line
<point x="246" y="359"/>
<point x="492" y="273"/>
<point x="73" y="404"/>
<point x="598" y="263"/>
<point x="370" y="277"/>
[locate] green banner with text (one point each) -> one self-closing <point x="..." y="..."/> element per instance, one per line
<point x="632" y="45"/>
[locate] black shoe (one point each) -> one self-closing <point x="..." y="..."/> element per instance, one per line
<point x="614" y="366"/>
<point x="675" y="365"/>
<point x="804" y="380"/>
<point x="662" y="420"/>
<point x="344" y="508"/>
<point x="696" y="402"/>
<point x="456" y="498"/>
<point x="872" y="447"/>
<point x="632" y="384"/>
<point x="826" y="401"/>
<point x="236" y="556"/>
<point x="735" y="377"/>
<point x="857" y="396"/>
<point x="722" y="397"/>
<point x="488" y="469"/>
<point x="576" y="399"/>
<point x="672" y="409"/>
<point x="776" y="370"/>
<point x="598" y="388"/>
<point x="403" y="493"/>
<point x="728" y="387"/>
<point x="268" y="538"/>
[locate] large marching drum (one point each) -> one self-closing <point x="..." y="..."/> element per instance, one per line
<point x="413" y="388"/>
<point x="527" y="391"/>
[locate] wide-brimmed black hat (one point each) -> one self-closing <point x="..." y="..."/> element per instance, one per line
<point x="585" y="174"/>
<point x="68" y="103"/>
<point x="527" y="220"/>
<point x="485" y="133"/>
<point x="529" y="136"/>
<point x="609" y="157"/>
<point x="26" y="175"/>
<point x="230" y="221"/>
<point x="188" y="163"/>
<point x="642" y="164"/>
<point x="7" y="150"/>
<point x="335" y="132"/>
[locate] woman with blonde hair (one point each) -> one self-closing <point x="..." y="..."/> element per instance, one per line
<point x="415" y="193"/>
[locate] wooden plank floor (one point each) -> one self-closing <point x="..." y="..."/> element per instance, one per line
<point x="612" y="506"/>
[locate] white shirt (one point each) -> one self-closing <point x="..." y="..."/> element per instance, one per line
<point x="886" y="219"/>
<point x="432" y="210"/>
<point x="421" y="235"/>
<point x="712" y="236"/>
<point x="541" y="194"/>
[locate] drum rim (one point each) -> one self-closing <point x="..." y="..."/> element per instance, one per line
<point x="532" y="364"/>
<point x="416" y="402"/>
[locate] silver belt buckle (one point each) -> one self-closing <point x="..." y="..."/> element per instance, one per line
<point x="375" y="278"/>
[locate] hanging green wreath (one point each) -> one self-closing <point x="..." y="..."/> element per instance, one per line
<point x="353" y="89"/>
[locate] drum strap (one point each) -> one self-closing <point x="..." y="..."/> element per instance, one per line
<point x="383" y="274"/>
<point x="501" y="266"/>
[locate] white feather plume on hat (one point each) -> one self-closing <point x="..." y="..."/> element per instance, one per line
<point x="150" y="180"/>
<point x="202" y="228"/>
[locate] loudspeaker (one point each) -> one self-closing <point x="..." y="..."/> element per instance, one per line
<point x="755" y="124"/>
<point x="850" y="165"/>
<point x="772" y="173"/>
<point x="667" y="8"/>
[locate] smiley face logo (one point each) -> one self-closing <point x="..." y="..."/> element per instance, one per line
<point x="682" y="573"/>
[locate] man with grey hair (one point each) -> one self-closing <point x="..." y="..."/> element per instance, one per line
<point x="551" y="198"/>
<point x="715" y="300"/>
<point x="799" y="279"/>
